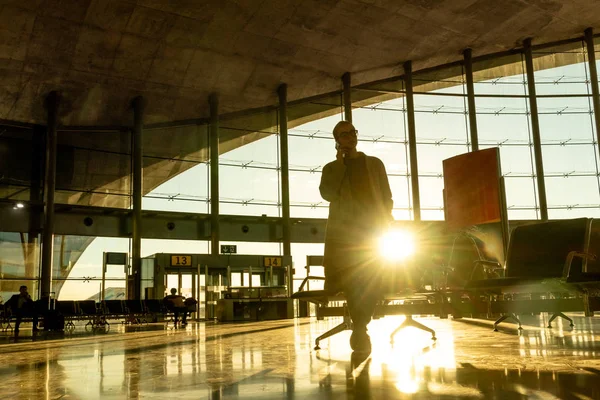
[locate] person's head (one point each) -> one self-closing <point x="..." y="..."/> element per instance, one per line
<point x="346" y="135"/>
<point x="173" y="291"/>
<point x="23" y="289"/>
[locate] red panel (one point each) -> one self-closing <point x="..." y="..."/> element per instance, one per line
<point x="472" y="188"/>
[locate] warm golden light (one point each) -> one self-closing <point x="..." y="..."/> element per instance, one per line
<point x="396" y="245"/>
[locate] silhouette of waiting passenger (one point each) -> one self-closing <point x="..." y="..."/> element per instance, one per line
<point x="176" y="304"/>
<point x="22" y="306"/>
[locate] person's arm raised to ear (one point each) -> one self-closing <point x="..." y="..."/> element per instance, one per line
<point x="331" y="179"/>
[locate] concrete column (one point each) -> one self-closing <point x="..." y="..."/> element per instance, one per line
<point x="285" y="169"/>
<point x="347" y="100"/>
<point x="535" y="131"/>
<point x="591" y="56"/>
<point x="35" y="200"/>
<point x="213" y="101"/>
<point x="412" y="140"/>
<point x="138" y="151"/>
<point x="471" y="99"/>
<point x="52" y="104"/>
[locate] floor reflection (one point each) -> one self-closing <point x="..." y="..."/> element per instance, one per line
<point x="276" y="360"/>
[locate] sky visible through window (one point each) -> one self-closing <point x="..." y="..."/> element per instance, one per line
<point x="250" y="180"/>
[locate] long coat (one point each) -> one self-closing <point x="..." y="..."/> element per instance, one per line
<point x="345" y="243"/>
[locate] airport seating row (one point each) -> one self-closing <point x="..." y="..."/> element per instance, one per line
<point x="97" y="314"/>
<point x="550" y="267"/>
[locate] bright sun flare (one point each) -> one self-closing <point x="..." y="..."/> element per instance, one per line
<point x="396" y="245"/>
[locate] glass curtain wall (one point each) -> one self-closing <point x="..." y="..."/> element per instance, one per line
<point x="19" y="263"/>
<point x="311" y="147"/>
<point x="379" y="114"/>
<point x="94" y="168"/>
<point x="21" y="183"/>
<point x="249" y="162"/>
<point x="77" y="270"/>
<point x="177" y="172"/>
<point x="442" y="131"/>
<point x="503" y="120"/>
<point x="567" y="130"/>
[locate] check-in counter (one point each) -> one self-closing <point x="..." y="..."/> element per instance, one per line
<point x="255" y="304"/>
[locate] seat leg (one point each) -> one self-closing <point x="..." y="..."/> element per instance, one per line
<point x="560" y="314"/>
<point x="409" y="321"/>
<point x="506" y="316"/>
<point x="345" y="325"/>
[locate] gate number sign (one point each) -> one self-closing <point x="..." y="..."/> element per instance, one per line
<point x="181" y="261"/>
<point x="272" y="261"/>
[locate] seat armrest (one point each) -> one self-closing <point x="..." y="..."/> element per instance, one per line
<point x="310" y="278"/>
<point x="488" y="266"/>
<point x="569" y="261"/>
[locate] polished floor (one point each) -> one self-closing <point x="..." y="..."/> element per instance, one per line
<point x="276" y="360"/>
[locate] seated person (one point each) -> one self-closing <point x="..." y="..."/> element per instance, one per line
<point x="175" y="303"/>
<point x="22" y="306"/>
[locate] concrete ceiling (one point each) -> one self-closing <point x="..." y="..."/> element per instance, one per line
<point x="101" y="53"/>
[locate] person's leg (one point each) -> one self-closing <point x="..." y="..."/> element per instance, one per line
<point x="176" y="315"/>
<point x="19" y="316"/>
<point x="34" y="316"/>
<point x="184" y="316"/>
<point x="362" y="291"/>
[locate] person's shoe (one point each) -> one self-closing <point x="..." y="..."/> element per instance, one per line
<point x="360" y="341"/>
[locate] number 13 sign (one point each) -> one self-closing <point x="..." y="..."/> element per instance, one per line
<point x="181" y="261"/>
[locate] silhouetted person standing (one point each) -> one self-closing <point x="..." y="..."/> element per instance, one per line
<point x="360" y="211"/>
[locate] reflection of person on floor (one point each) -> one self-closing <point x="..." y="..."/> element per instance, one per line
<point x="176" y="303"/>
<point x="22" y="306"/>
<point x="360" y="210"/>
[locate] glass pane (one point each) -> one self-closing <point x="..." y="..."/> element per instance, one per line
<point x="500" y="76"/>
<point x="78" y="267"/>
<point x="520" y="193"/>
<point x="21" y="164"/>
<point x="441" y="119"/>
<point x="501" y="120"/>
<point x="19" y="263"/>
<point x="176" y="176"/>
<point x="561" y="69"/>
<point x="569" y="160"/>
<point x="311" y="147"/>
<point x="568" y="213"/>
<point x="430" y="157"/>
<point x="515" y="160"/>
<point x="431" y="190"/>
<point x="566" y="120"/>
<point x="249" y="176"/>
<point x="94" y="168"/>
<point x="186" y="285"/>
<point x="572" y="192"/>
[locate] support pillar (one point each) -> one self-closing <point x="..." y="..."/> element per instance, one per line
<point x="285" y="170"/>
<point x="468" y="53"/>
<point x="347" y="98"/>
<point x="535" y="131"/>
<point x="138" y="151"/>
<point x="412" y="140"/>
<point x="591" y="56"/>
<point x="213" y="101"/>
<point x="52" y="104"/>
<point x="35" y="202"/>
